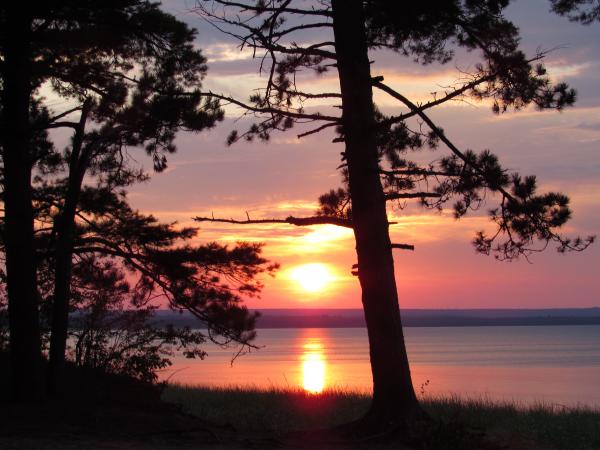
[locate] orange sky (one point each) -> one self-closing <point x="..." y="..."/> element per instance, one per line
<point x="286" y="176"/>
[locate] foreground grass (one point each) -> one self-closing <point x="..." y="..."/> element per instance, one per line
<point x="544" y="426"/>
<point x="514" y="426"/>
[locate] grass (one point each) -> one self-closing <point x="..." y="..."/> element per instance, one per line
<point x="547" y="426"/>
<point x="264" y="410"/>
<point x="511" y="425"/>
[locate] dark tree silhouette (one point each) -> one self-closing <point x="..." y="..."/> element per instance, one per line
<point x="584" y="11"/>
<point x="112" y="241"/>
<point x="342" y="36"/>
<point x="127" y="70"/>
<point x="208" y="280"/>
<point x="109" y="336"/>
<point x="4" y="336"/>
<point x="161" y="103"/>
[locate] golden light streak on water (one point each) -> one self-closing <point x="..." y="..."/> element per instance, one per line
<point x="314" y="367"/>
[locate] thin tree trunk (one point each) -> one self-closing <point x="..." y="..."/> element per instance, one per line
<point x="65" y="237"/>
<point x="25" y="344"/>
<point x="60" y="302"/>
<point x="394" y="399"/>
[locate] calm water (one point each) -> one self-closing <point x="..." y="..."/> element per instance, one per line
<point x="554" y="364"/>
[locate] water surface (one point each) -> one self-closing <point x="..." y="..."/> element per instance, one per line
<point x="552" y="364"/>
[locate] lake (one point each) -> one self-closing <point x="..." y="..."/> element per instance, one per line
<point x="527" y="364"/>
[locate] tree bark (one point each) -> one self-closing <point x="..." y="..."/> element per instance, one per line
<point x="25" y="344"/>
<point x="65" y="239"/>
<point x="394" y="400"/>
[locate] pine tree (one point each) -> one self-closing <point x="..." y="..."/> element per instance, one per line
<point x="376" y="164"/>
<point x="123" y="66"/>
<point x="584" y="11"/>
<point x="125" y="266"/>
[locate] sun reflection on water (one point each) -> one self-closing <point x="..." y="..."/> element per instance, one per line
<point x="313" y="366"/>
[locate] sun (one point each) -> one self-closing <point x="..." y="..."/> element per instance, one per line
<point x="311" y="277"/>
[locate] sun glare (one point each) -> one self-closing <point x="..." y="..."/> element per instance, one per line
<point x="313" y="368"/>
<point x="311" y="277"/>
<point x="327" y="233"/>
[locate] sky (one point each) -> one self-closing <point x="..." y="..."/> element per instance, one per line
<point x="286" y="176"/>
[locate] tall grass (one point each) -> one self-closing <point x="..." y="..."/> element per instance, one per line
<point x="549" y="426"/>
<point x="274" y="409"/>
<point x="540" y="426"/>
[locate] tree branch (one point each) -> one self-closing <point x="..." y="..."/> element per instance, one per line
<point x="297" y="221"/>
<point x="404" y="246"/>
<point x="64" y="114"/>
<point x="449" y="96"/>
<point x="61" y="125"/>
<point x="261" y="9"/>
<point x="316" y="130"/>
<point x="415" y="171"/>
<point x="136" y="261"/>
<point x="438" y="132"/>
<point x="408" y="195"/>
<point x="295" y="115"/>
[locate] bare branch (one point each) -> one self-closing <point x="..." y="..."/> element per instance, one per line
<point x="61" y="125"/>
<point x="311" y="95"/>
<point x="64" y="114"/>
<point x="295" y="115"/>
<point x="425" y="172"/>
<point x="298" y="221"/>
<point x="407" y="195"/>
<point x="404" y="246"/>
<point x="261" y="9"/>
<point x="316" y="130"/>
<point x="300" y="27"/>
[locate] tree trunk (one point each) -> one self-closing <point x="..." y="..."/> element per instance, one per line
<point x="21" y="283"/>
<point x="394" y="399"/>
<point x="63" y="267"/>
<point x="60" y="302"/>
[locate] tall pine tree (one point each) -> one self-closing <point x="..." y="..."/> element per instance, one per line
<point x="376" y="162"/>
<point x="126" y="68"/>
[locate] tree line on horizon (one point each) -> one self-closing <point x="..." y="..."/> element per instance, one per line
<point x="130" y="78"/>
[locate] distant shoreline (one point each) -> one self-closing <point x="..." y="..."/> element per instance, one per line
<point x="353" y="318"/>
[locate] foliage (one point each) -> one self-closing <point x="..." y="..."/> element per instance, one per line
<point x="126" y="75"/>
<point x="209" y="280"/>
<point x="126" y="264"/>
<point x="525" y="220"/>
<point x="109" y="335"/>
<point x="137" y="88"/>
<point x="130" y="66"/>
<point x="584" y="11"/>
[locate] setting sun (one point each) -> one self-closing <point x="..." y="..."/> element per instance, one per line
<point x="312" y="277"/>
